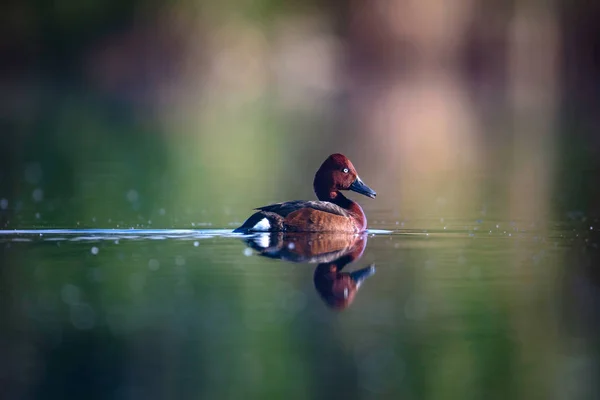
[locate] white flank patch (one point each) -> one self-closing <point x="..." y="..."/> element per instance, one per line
<point x="263" y="241"/>
<point x="262" y="225"/>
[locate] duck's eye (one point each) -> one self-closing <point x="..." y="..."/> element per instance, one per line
<point x="345" y="170"/>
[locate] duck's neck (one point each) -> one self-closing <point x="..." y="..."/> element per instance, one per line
<point x="336" y="197"/>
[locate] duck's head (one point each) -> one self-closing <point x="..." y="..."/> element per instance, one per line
<point x="337" y="173"/>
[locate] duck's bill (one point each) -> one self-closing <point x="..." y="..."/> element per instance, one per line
<point x="359" y="186"/>
<point x="360" y="275"/>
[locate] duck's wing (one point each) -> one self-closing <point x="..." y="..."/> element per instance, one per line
<point x="289" y="207"/>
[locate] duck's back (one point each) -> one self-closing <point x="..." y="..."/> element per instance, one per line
<point x="288" y="207"/>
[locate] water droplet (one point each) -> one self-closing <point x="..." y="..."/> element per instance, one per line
<point x="37" y="195"/>
<point x="162" y="211"/>
<point x="153" y="264"/>
<point x="70" y="294"/>
<point x="180" y="261"/>
<point x="94" y="250"/>
<point x="4" y="204"/>
<point x="132" y="196"/>
<point x="37" y="215"/>
<point x="247" y="251"/>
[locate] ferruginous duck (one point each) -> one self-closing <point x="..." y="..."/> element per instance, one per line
<point x="334" y="212"/>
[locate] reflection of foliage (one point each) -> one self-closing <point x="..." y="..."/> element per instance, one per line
<point x="87" y="152"/>
<point x="262" y="328"/>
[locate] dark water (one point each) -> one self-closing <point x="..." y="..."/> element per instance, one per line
<point x="465" y="310"/>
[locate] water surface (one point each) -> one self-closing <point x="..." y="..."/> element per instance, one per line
<point x="466" y="309"/>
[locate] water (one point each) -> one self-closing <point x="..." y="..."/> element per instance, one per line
<point x="465" y="309"/>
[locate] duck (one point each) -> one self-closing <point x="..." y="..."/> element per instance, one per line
<point x="333" y="212"/>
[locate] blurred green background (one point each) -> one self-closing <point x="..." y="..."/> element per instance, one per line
<point x="120" y="113"/>
<point x="187" y="114"/>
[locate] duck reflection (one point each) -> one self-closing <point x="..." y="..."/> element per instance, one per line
<point x="331" y="251"/>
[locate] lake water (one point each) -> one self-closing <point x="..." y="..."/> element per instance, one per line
<point x="464" y="309"/>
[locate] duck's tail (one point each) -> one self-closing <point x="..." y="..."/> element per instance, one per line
<point x="260" y="222"/>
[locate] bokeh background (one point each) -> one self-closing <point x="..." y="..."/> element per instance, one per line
<point x="120" y="113"/>
<point x="187" y="114"/>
